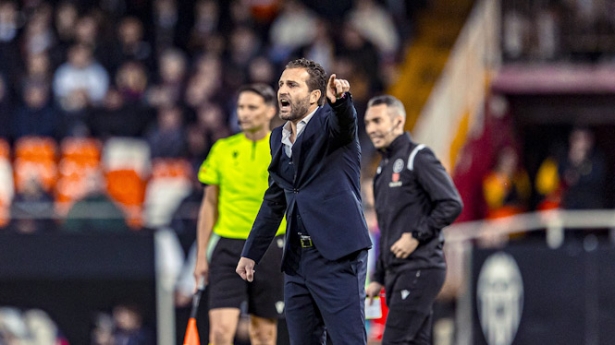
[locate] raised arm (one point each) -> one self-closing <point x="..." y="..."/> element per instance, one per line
<point x="343" y="124"/>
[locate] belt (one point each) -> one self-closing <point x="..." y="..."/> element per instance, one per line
<point x="305" y="241"/>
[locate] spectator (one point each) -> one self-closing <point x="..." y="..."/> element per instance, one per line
<point x="201" y="89"/>
<point x="9" y="28"/>
<point x="129" y="328"/>
<point x="167" y="136"/>
<point x="118" y="118"/>
<point x="131" y="46"/>
<point x="131" y="80"/>
<point x="95" y="211"/>
<point x="376" y="24"/>
<point x="239" y="13"/>
<point x="88" y="31"/>
<point x="321" y="48"/>
<point x="184" y="219"/>
<point x="578" y="175"/>
<point x="291" y="29"/>
<point x="37" y="68"/>
<point x="262" y="70"/>
<point x="169" y="88"/>
<point x="123" y="326"/>
<point x="6" y="108"/>
<point x="355" y="47"/>
<point x="32" y="209"/>
<point x="579" y="179"/>
<point x="244" y="45"/>
<point x="506" y="188"/>
<point x="165" y="18"/>
<point x="36" y="116"/>
<point x="211" y="120"/>
<point x="65" y="19"/>
<point x="81" y="73"/>
<point x="206" y="25"/>
<point x="38" y="35"/>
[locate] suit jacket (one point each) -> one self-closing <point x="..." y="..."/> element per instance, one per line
<point x="325" y="191"/>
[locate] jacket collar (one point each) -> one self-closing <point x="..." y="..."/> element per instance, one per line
<point x="397" y="144"/>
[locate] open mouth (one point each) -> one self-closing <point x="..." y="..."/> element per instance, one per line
<point x="284" y="104"/>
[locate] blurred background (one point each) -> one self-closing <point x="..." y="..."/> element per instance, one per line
<point x="108" y="108"/>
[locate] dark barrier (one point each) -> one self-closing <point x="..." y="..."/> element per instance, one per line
<point x="530" y="294"/>
<point x="74" y="276"/>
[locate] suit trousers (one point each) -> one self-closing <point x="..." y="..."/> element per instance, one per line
<point x="323" y="294"/>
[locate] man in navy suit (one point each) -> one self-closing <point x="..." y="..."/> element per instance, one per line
<point x="314" y="180"/>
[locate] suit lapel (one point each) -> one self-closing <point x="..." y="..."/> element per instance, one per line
<point x="305" y="140"/>
<point x="276" y="151"/>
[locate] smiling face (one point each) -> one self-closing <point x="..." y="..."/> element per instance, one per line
<point x="382" y="125"/>
<point x="253" y="112"/>
<point x="294" y="96"/>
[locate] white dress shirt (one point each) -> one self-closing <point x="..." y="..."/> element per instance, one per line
<point x="286" y="132"/>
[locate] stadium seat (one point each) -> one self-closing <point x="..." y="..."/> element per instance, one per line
<point x="126" y="165"/>
<point x="7" y="190"/>
<point x="79" y="158"/>
<point x="5" y="149"/>
<point x="35" y="157"/>
<point x="169" y="185"/>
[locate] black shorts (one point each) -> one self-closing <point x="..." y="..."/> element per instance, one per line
<point x="265" y="295"/>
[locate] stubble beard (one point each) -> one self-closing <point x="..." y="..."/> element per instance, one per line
<point x="297" y="111"/>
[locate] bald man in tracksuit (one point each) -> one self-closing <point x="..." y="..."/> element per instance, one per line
<point x="414" y="199"/>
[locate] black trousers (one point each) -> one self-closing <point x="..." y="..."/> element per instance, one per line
<point x="410" y="296"/>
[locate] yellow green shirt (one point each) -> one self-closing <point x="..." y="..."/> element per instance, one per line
<point x="238" y="166"/>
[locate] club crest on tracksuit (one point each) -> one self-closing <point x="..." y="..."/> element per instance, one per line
<point x="398" y="166"/>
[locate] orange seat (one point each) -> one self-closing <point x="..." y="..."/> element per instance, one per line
<point x="5" y="214"/>
<point x="69" y="189"/>
<point x="45" y="172"/>
<point x="126" y="164"/>
<point x="81" y="150"/>
<point x="35" y="158"/>
<point x="5" y="149"/>
<point x="80" y="158"/>
<point x="171" y="167"/>
<point x="126" y="187"/>
<point x="36" y="149"/>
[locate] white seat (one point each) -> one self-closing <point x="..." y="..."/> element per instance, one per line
<point x="162" y="197"/>
<point x="7" y="187"/>
<point x="127" y="153"/>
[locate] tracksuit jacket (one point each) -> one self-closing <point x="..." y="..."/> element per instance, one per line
<point x="413" y="193"/>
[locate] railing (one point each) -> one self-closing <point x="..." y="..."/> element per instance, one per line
<point x="463" y="238"/>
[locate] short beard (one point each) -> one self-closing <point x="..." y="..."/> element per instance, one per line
<point x="298" y="111"/>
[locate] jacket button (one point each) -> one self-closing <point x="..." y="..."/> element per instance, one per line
<point x="295" y="191"/>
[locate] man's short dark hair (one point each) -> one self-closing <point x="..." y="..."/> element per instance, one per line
<point x="263" y="90"/>
<point x="391" y="102"/>
<point x="318" y="76"/>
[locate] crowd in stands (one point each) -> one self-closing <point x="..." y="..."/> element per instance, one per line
<point x="115" y="101"/>
<point x="574" y="175"/>
<point x="558" y="30"/>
